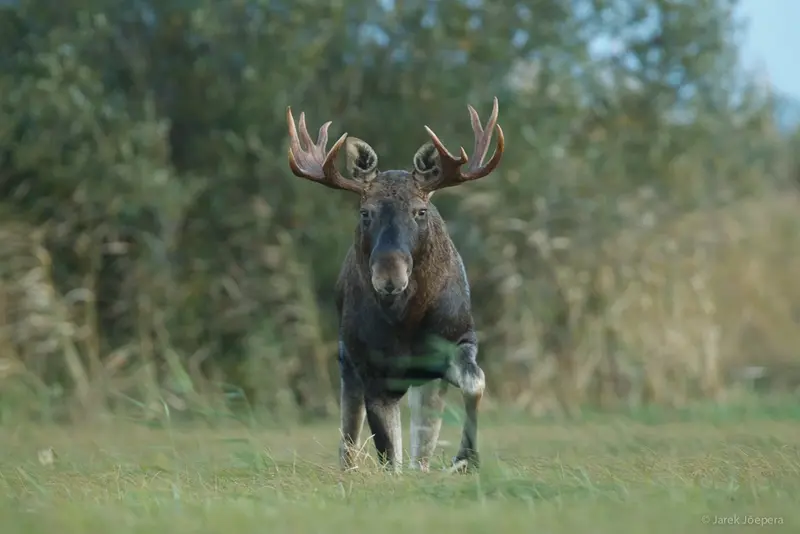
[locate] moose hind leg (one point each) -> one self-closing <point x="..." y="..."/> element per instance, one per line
<point x="426" y="403"/>
<point x="383" y="416"/>
<point x="465" y="373"/>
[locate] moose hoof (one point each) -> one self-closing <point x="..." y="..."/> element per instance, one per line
<point x="465" y="464"/>
<point x="420" y="465"/>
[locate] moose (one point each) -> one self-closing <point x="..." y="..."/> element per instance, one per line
<point x="402" y="291"/>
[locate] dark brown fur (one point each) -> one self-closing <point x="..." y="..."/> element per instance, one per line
<point x="436" y="301"/>
<point x="401" y="289"/>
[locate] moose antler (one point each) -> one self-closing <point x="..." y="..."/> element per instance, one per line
<point x="451" y="171"/>
<point x="311" y="161"/>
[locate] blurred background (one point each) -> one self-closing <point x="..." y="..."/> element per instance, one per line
<point x="639" y="245"/>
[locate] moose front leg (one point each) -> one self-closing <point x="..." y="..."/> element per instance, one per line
<point x="383" y="417"/>
<point x="352" y="411"/>
<point x="464" y="372"/>
<point x="426" y="403"/>
<point x="352" y="419"/>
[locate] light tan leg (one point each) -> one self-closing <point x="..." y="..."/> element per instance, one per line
<point x="426" y="403"/>
<point x="469" y="377"/>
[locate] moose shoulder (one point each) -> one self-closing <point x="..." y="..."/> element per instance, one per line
<point x="402" y="288"/>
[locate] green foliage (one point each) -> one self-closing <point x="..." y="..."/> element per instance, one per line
<point x="143" y="145"/>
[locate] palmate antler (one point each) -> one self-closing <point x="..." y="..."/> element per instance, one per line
<point x="451" y="166"/>
<point x="310" y="160"/>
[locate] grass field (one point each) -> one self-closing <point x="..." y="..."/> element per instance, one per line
<point x="669" y="472"/>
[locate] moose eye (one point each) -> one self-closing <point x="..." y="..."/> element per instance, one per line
<point x="421" y="213"/>
<point x="365" y="215"/>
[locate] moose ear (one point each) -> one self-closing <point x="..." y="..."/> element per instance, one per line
<point x="362" y="161"/>
<point x="427" y="166"/>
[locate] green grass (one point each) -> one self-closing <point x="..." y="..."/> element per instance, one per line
<point x="607" y="475"/>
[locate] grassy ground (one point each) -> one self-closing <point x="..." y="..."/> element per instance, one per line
<point x="620" y="474"/>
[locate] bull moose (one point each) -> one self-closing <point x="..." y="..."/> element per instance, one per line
<point x="402" y="287"/>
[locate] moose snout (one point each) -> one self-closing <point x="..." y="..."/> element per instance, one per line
<point x="390" y="273"/>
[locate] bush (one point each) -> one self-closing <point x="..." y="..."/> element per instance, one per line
<point x="637" y="244"/>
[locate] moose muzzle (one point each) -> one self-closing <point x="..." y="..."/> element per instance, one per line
<point x="391" y="272"/>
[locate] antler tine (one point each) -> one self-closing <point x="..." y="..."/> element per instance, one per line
<point x="443" y="152"/>
<point x="452" y="174"/>
<point x="322" y="136"/>
<point x="310" y="160"/>
<point x="482" y="137"/>
<point x="305" y="139"/>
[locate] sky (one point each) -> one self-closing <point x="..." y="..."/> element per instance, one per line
<point x="773" y="31"/>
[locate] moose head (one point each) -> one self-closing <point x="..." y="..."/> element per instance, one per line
<point x="395" y="216"/>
